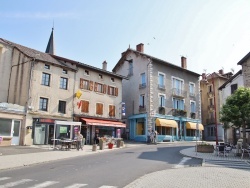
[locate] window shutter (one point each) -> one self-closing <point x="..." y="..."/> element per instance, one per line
<point x="99" y="108"/>
<point x="116" y="91"/>
<point x="81" y="83"/>
<point x="95" y="89"/>
<point x="110" y="110"/>
<point x="91" y="85"/>
<point x="108" y="92"/>
<point x="85" y="106"/>
<point x="104" y="88"/>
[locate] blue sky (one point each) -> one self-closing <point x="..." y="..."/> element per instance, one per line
<point x="212" y="34"/>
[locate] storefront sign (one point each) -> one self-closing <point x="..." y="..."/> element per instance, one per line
<point x="123" y="109"/>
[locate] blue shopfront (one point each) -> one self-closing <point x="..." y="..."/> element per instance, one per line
<point x="169" y="128"/>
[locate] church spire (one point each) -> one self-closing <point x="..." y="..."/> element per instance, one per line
<point x="50" y="47"/>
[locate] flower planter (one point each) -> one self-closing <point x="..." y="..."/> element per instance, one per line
<point x="205" y="148"/>
<point x="110" y="146"/>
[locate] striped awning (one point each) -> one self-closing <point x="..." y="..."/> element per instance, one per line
<point x="107" y="123"/>
<point x="166" y="123"/>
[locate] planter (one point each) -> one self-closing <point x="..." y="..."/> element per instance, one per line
<point x="205" y="148"/>
<point x="94" y="147"/>
<point x="110" y="146"/>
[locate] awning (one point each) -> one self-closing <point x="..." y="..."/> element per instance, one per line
<point x="191" y="125"/>
<point x="165" y="123"/>
<point x="98" y="122"/>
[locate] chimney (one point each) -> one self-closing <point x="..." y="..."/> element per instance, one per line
<point x="183" y="62"/>
<point x="221" y="71"/>
<point x="140" y="48"/>
<point x="104" y="65"/>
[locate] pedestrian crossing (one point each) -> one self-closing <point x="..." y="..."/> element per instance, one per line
<point x="227" y="163"/>
<point x="6" y="182"/>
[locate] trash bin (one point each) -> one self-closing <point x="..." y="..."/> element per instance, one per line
<point x="118" y="143"/>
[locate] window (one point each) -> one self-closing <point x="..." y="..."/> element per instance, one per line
<point x="5" y="127"/>
<point x="161" y="80"/>
<point x="130" y="69"/>
<point x="86" y="72"/>
<point x="192" y="89"/>
<point x="164" y="130"/>
<point x="46" y="79"/>
<point x="234" y="87"/>
<point x="111" y="110"/>
<point x="192" y="107"/>
<point x="162" y="100"/>
<point x="190" y="132"/>
<point x="112" y="79"/>
<point x="65" y="71"/>
<point x="140" y="127"/>
<point x="143" y="79"/>
<point x="178" y="104"/>
<point x="211" y="102"/>
<point x="210" y="89"/>
<point x="43" y="104"/>
<point x="62" y="107"/>
<point x="178" y="85"/>
<point x="85" y="106"/>
<point x="86" y="84"/>
<point x="101" y="88"/>
<point x="211" y="131"/>
<point x="99" y="108"/>
<point x="63" y="83"/>
<point x="142" y="101"/>
<point x="46" y="66"/>
<point x="100" y="76"/>
<point x="112" y="91"/>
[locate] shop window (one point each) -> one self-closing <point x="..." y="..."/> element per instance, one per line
<point x="140" y="128"/>
<point x="85" y="106"/>
<point x="111" y="110"/>
<point x="45" y="79"/>
<point x="190" y="132"/>
<point x="99" y="108"/>
<point x="5" y="127"/>
<point x="62" y="107"/>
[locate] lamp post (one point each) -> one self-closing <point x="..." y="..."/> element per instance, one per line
<point x="204" y="78"/>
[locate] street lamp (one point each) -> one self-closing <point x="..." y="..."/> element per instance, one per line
<point x="204" y="78"/>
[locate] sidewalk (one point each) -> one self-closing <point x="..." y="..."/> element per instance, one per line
<point x="176" y="177"/>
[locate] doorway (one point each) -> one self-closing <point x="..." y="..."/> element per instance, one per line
<point x="16" y="133"/>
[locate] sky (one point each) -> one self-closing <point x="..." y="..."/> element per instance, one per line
<point x="211" y="34"/>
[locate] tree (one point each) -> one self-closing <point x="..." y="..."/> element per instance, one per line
<point x="236" y="110"/>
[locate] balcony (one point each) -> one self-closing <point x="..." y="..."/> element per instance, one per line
<point x="192" y="115"/>
<point x="179" y="93"/>
<point x="192" y="95"/>
<point x="162" y="110"/>
<point x="210" y="121"/>
<point x="178" y="112"/>
<point x="210" y="107"/>
<point x="161" y="87"/>
<point x="142" y="108"/>
<point x="141" y="86"/>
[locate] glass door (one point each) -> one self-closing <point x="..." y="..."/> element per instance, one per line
<point x="16" y="133"/>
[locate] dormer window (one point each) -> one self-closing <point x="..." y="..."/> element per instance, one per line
<point x="65" y="71"/>
<point x="46" y="66"/>
<point x="100" y="76"/>
<point x="112" y="79"/>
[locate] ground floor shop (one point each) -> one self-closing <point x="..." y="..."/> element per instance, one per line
<point x="12" y="129"/>
<point x="169" y="128"/>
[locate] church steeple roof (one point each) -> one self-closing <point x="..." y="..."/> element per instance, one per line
<point x="50" y="47"/>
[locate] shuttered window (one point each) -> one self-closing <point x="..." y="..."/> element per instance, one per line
<point x="85" y="106"/>
<point x="86" y="84"/>
<point x="112" y="91"/>
<point x="111" y="110"/>
<point x="101" y="88"/>
<point x="99" y="108"/>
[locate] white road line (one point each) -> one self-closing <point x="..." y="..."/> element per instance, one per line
<point x="12" y="184"/>
<point x="181" y="164"/>
<point x="106" y="186"/>
<point x="45" y="184"/>
<point x="76" y="185"/>
<point x="4" y="178"/>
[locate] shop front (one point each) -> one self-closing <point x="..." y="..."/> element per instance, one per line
<point x="193" y="131"/>
<point x="101" y="128"/>
<point x="166" y="129"/>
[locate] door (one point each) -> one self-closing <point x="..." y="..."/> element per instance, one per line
<point x="16" y="133"/>
<point x="39" y="135"/>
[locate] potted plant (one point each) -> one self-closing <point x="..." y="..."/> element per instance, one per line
<point x="110" y="145"/>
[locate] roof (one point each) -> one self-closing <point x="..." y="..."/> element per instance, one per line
<point x="244" y="59"/>
<point x="37" y="55"/>
<point x="88" y="66"/>
<point x="151" y="57"/>
<point x="230" y="80"/>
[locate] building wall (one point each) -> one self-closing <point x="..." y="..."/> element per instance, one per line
<point x="246" y="72"/>
<point x="5" y="66"/>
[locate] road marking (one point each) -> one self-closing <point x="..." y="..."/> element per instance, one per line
<point x="4" y="178"/>
<point x="181" y="164"/>
<point x="12" y="184"/>
<point x="77" y="185"/>
<point x="106" y="186"/>
<point x="45" y="184"/>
